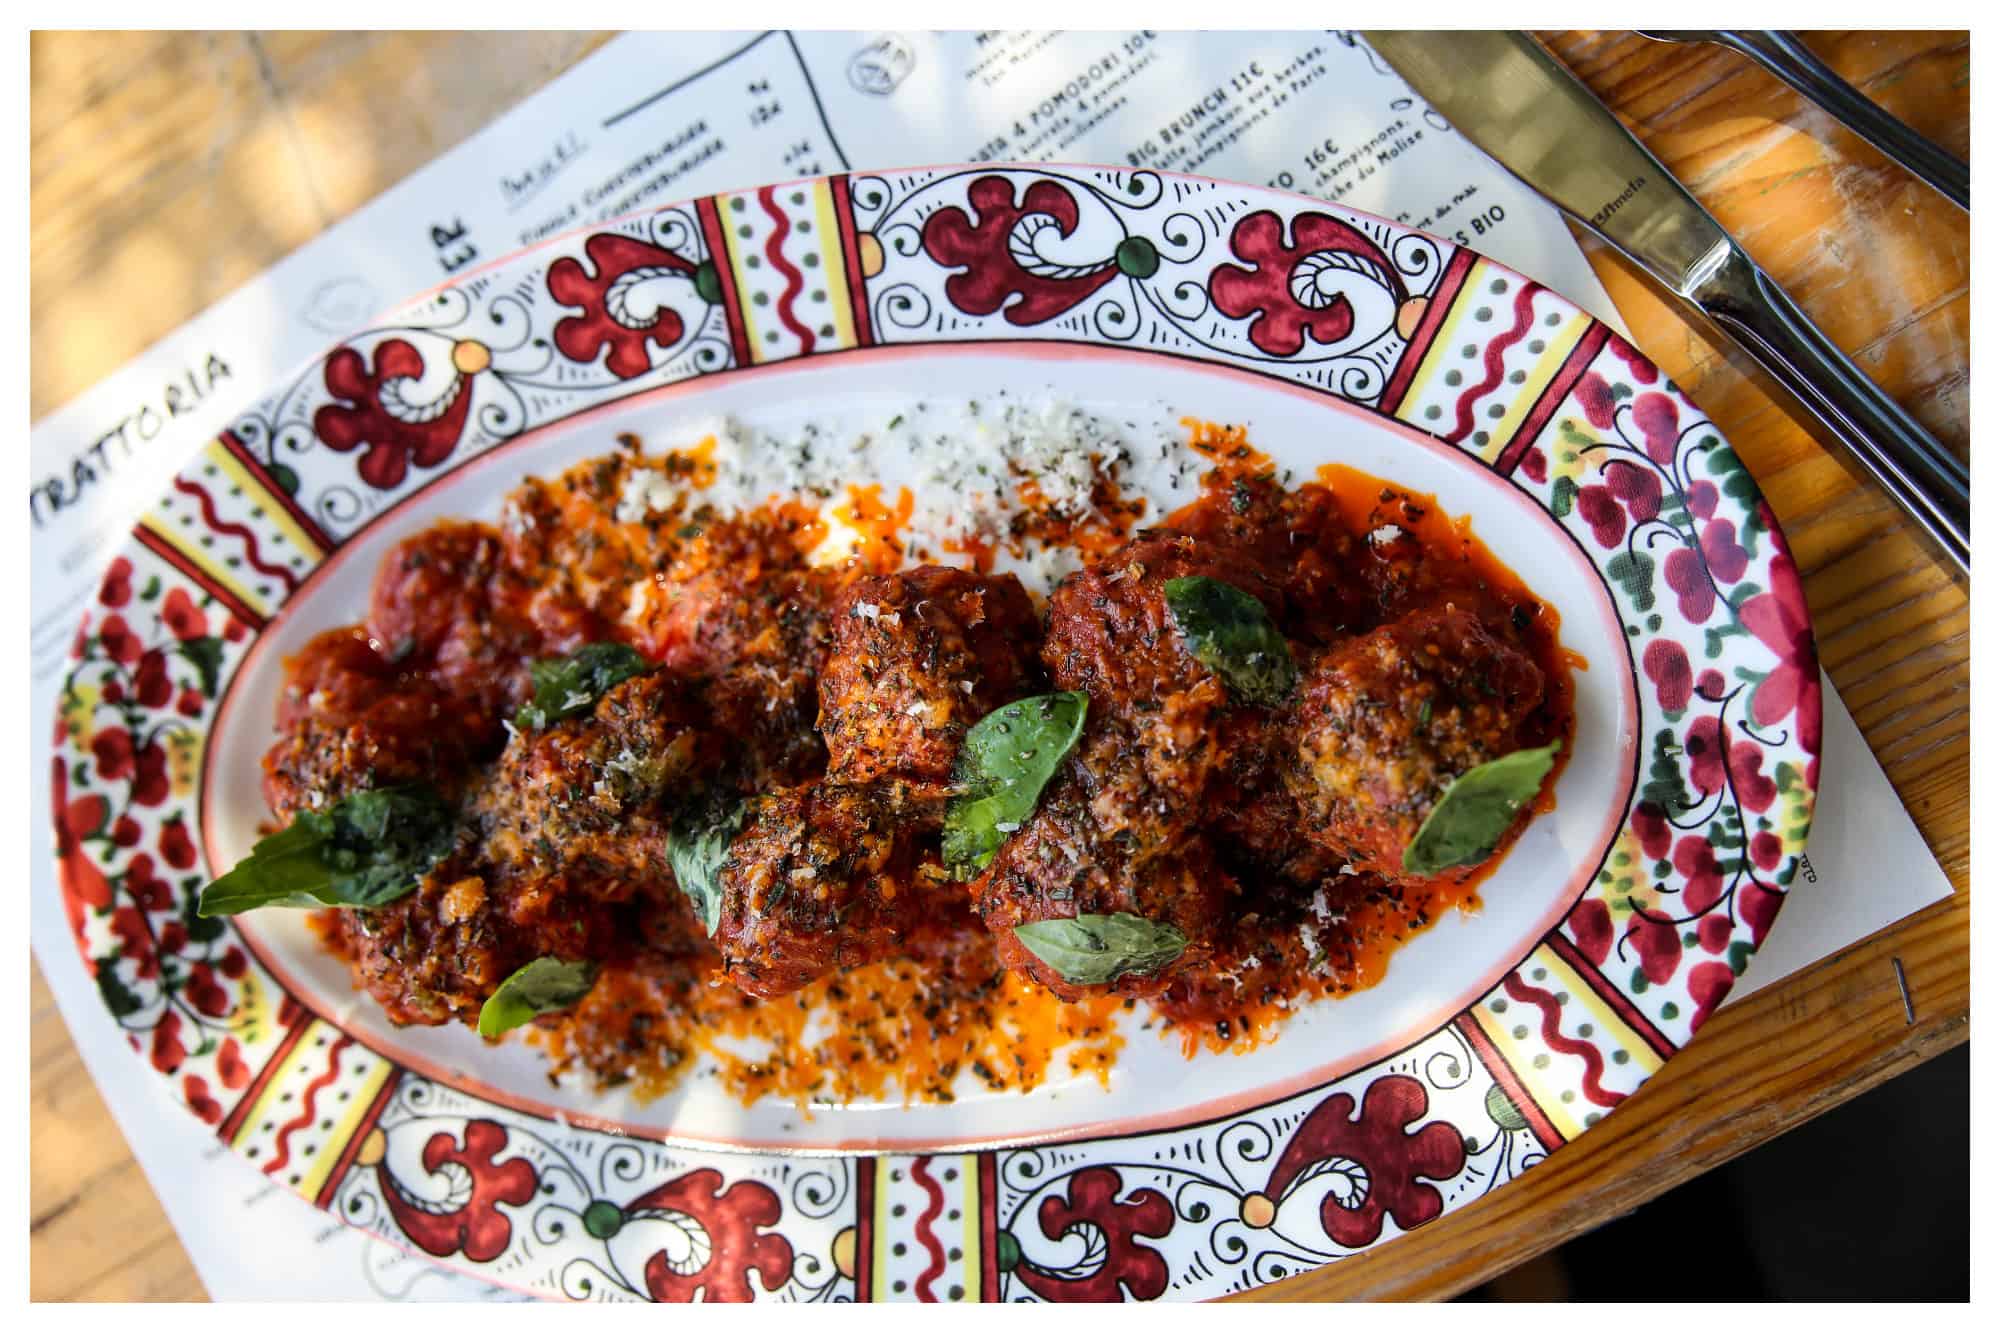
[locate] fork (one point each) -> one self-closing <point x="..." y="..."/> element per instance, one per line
<point x="1785" y="56"/>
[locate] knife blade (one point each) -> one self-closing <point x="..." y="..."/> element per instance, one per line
<point x="1518" y="104"/>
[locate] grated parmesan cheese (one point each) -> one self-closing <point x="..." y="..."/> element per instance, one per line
<point x="965" y="464"/>
<point x="1323" y="911"/>
<point x="644" y="491"/>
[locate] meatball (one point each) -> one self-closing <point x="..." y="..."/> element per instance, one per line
<point x="918" y="657"/>
<point x="757" y="639"/>
<point x="338" y="676"/>
<point x="1064" y="863"/>
<point x="823" y="877"/>
<point x="1111" y="635"/>
<point x="1297" y="538"/>
<point x="352" y="721"/>
<point x="1161" y="724"/>
<point x="589" y="799"/>
<point x="1387" y="720"/>
<point x="1120" y="829"/>
<point x="1258" y="829"/>
<point x="448" y="602"/>
<point x="404" y="739"/>
<point x="561" y="536"/>
<point x="436" y="954"/>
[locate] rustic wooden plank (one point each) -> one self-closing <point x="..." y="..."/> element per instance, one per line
<point x="95" y="1229"/>
<point x="167" y="168"/>
<point x="370" y="108"/>
<point x="170" y="186"/>
<point x="154" y="1272"/>
<point x="111" y="1243"/>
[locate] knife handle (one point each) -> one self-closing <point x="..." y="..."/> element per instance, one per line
<point x="1924" y="477"/>
<point x="1787" y="58"/>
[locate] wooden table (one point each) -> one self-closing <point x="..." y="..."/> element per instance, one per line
<point x="168" y="168"/>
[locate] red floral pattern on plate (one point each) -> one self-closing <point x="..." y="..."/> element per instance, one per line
<point x="733" y="1223"/>
<point x="1112" y="1225"/>
<point x="1391" y="1159"/>
<point x="475" y="1224"/>
<point x="991" y="241"/>
<point x="1720" y="639"/>
<point x="373" y="416"/>
<point x="1281" y="293"/>
<point x="606" y="321"/>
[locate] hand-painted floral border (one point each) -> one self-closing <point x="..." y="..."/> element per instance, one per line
<point x="1396" y="321"/>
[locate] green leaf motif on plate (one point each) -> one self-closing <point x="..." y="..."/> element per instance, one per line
<point x="1562" y="497"/>
<point x="117" y="996"/>
<point x="1633" y="571"/>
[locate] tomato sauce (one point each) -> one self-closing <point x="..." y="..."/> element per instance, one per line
<point x="461" y="612"/>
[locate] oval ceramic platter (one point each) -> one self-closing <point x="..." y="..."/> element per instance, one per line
<point x="1610" y="932"/>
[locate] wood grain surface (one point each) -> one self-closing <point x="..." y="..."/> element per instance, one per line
<point x="180" y="165"/>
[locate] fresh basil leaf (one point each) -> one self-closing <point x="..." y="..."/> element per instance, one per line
<point x="1096" y="950"/>
<point x="1476" y="810"/>
<point x="1007" y="758"/>
<point x="1231" y="634"/>
<point x="697" y="847"/>
<point x="545" y="986"/>
<point x="567" y="686"/>
<point x="366" y="850"/>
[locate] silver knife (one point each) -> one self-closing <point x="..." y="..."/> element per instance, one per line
<point x="1507" y="95"/>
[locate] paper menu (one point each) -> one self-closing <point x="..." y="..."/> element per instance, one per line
<point x="652" y="118"/>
